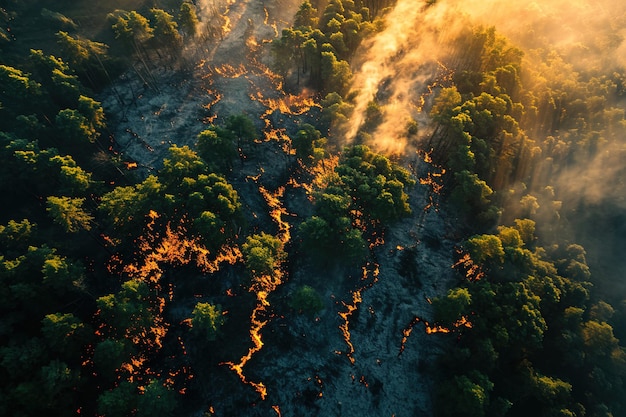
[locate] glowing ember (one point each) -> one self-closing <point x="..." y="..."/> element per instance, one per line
<point x="430" y="329"/>
<point x="277" y="211"/>
<point x="434" y="179"/>
<point x="473" y="271"/>
<point x="255" y="336"/>
<point x="371" y="269"/>
<point x="345" y="315"/>
<point x="262" y="287"/>
<point x="230" y="71"/>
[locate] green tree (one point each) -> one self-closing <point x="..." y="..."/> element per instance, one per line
<point x="375" y="185"/>
<point x="132" y="28"/>
<point x="74" y="128"/>
<point x="66" y="334"/>
<point x="119" y="401"/>
<point x="18" y="93"/>
<point x="452" y="307"/>
<point x="447" y="99"/>
<point x="69" y="213"/>
<point x="165" y="30"/>
<point x="16" y="236"/>
<point x="86" y="57"/>
<point x="181" y="162"/>
<point x="108" y="357"/>
<point x="262" y="254"/>
<point x="336" y="74"/>
<point x="306" y="300"/>
<point x="304" y="141"/>
<point x="188" y="19"/>
<point x="207" y="320"/>
<point x="128" y="313"/>
<point x="156" y="400"/>
<point x="306" y="16"/>
<point x="470" y="393"/>
<point x="57" y="79"/>
<point x="217" y="148"/>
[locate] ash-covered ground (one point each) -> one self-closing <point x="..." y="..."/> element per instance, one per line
<point x="306" y="363"/>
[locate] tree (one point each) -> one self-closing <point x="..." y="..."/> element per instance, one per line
<point x="119" y="401"/>
<point x="188" y="19"/>
<point x="86" y="57"/>
<point x="306" y="16"/>
<point x="59" y="384"/>
<point x="445" y="103"/>
<point x="66" y="334"/>
<point x="210" y="227"/>
<point x="217" y="148"/>
<point x="470" y="393"/>
<point x="243" y="130"/>
<point x="306" y="300"/>
<point x="56" y="78"/>
<point x="336" y="74"/>
<point x="15" y="236"/>
<point x="206" y="320"/>
<point x="74" y="128"/>
<point x="375" y="185"/>
<point x="128" y="313"/>
<point x="69" y="213"/>
<point x="17" y="94"/>
<point x="304" y="141"/>
<point x="182" y="162"/>
<point x="156" y="400"/>
<point x="165" y="30"/>
<point x="108" y="357"/>
<point x="472" y="195"/>
<point x="132" y="28"/>
<point x="452" y="307"/>
<point x="262" y="254"/>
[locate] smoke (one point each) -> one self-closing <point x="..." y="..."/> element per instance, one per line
<point x="396" y="68"/>
<point x="399" y="66"/>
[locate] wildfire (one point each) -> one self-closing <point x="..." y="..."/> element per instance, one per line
<point x="434" y="179"/>
<point x="442" y="79"/>
<point x="262" y="287"/>
<point x="345" y="315"/>
<point x="371" y="269"/>
<point x="277" y="211"/>
<point x="321" y="172"/>
<point x="473" y="272"/>
<point x="255" y="336"/>
<point x="287" y="104"/>
<point x="431" y="329"/>
<point x="230" y="71"/>
<point x="155" y="250"/>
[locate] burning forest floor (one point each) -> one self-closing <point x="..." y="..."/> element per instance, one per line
<point x="361" y="355"/>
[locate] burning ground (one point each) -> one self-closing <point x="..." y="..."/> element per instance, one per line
<point x="367" y="351"/>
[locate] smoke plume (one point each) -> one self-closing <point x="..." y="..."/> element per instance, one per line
<point x="397" y="65"/>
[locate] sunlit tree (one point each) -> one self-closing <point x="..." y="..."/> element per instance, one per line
<point x="69" y="213"/>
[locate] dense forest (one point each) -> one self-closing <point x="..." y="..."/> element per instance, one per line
<point x="210" y="205"/>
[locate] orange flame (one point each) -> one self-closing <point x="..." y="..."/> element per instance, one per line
<point x="473" y="271"/>
<point x="262" y="287"/>
<point x="431" y="329"/>
<point x="345" y="315"/>
<point x="434" y="179"/>
<point x="369" y="270"/>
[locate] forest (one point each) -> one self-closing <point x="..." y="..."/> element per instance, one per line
<point x="328" y="207"/>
